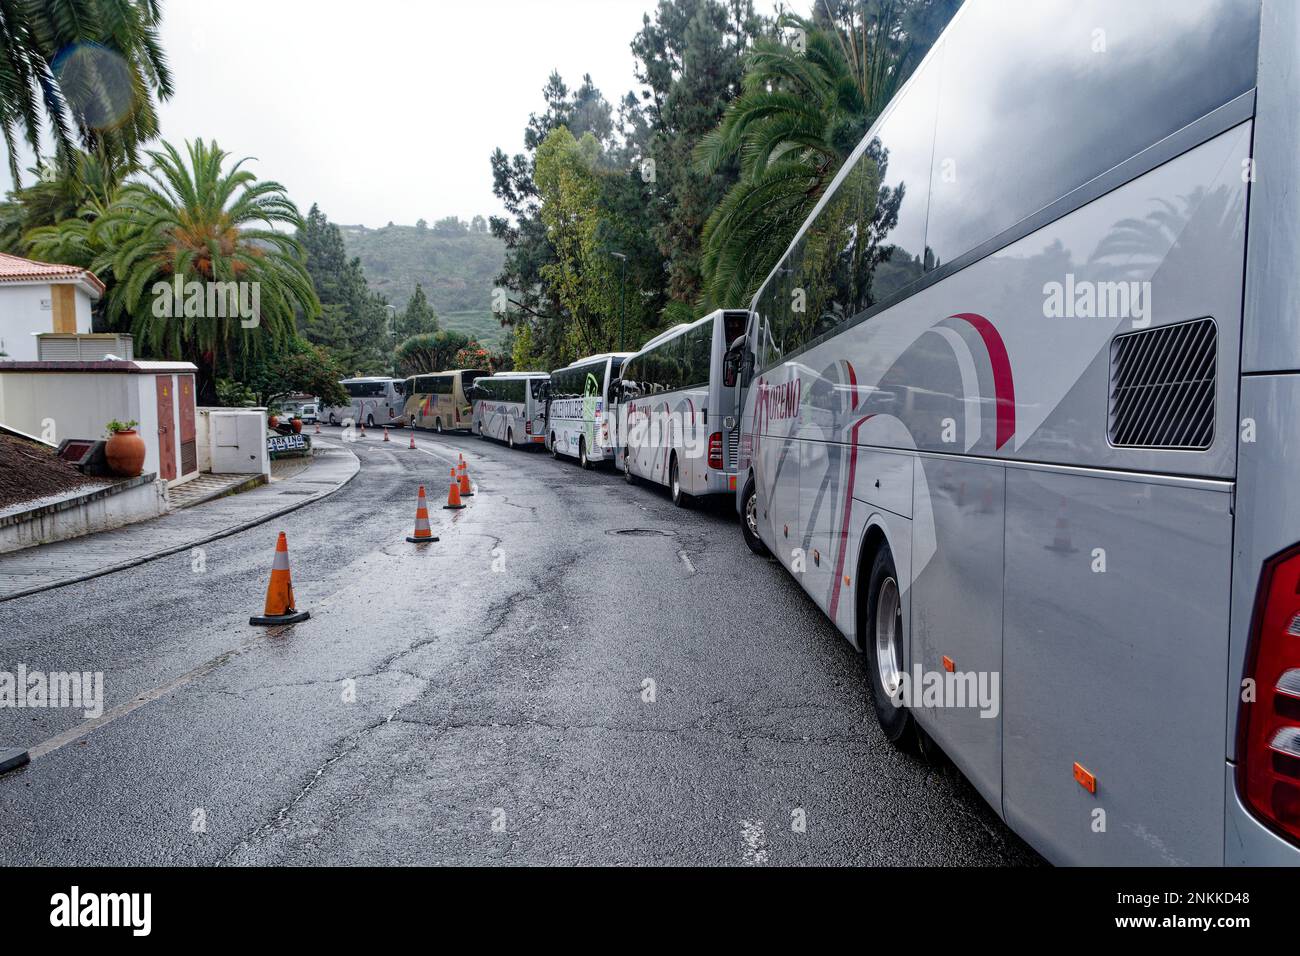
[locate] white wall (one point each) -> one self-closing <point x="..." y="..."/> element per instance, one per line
<point x="21" y="314"/>
<point x="55" y="406"/>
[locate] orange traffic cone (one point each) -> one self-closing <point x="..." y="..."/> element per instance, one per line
<point x="385" y="433"/>
<point x="453" y="496"/>
<point x="460" y="466"/>
<point x="363" y="429"/>
<point x="465" y="490"/>
<point x="412" y="440"/>
<point x="423" y="535"/>
<point x="279" y="593"/>
<point x="318" y="428"/>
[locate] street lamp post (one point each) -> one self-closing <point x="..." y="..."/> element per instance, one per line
<point x="622" y="284"/>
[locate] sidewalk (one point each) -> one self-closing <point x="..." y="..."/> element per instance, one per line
<point x="63" y="562"/>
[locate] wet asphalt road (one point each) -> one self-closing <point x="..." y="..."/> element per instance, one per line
<point x="480" y="700"/>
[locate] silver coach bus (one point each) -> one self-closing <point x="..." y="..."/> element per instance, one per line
<point x="376" y="400"/>
<point x="675" y="413"/>
<point x="1032" y="444"/>
<point x="510" y="407"/>
<point x="577" y="416"/>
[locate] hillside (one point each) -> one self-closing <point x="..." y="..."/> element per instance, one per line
<point x="454" y="262"/>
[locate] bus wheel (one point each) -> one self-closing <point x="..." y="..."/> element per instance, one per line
<point x="627" y="468"/>
<point x="749" y="520"/>
<point x="437" y="425"/>
<point x="370" y="421"/>
<point x="333" y="419"/>
<point x="583" y="460"/>
<point x="555" y="449"/>
<point x="680" y="498"/>
<point x="510" y="438"/>
<point x="882" y="630"/>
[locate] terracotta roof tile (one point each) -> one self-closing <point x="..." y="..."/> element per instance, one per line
<point x="17" y="269"/>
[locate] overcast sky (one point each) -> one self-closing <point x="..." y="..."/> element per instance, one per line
<point x="383" y="110"/>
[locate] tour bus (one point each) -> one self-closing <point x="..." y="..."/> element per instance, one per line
<point x="439" y="400"/>
<point x="375" y="401"/>
<point x="577" y="417"/>
<point x="1020" y="411"/>
<point x="511" y="407"/>
<point x="675" y="413"/>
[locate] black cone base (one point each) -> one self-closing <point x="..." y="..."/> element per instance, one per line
<point x="415" y="540"/>
<point x="453" y="507"/>
<point x="293" y="617"/>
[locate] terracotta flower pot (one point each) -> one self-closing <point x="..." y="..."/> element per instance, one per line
<point x="274" y="421"/>
<point x="297" y="426"/>
<point x="125" y="453"/>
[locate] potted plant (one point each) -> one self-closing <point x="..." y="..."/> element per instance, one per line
<point x="296" y="422"/>
<point x="273" y="421"/>
<point x="124" y="449"/>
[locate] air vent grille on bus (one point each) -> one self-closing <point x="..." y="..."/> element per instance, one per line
<point x="1162" y="386"/>
<point x="733" y="448"/>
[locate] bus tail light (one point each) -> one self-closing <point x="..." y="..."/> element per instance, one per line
<point x="715" y="451"/>
<point x="1269" y="751"/>
<point x="528" y="428"/>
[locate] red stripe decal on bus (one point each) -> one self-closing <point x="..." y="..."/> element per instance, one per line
<point x="848" y="510"/>
<point x="1003" y="384"/>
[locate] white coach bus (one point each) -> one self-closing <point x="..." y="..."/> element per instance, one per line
<point x="1032" y="443"/>
<point x="676" y="424"/>
<point x="375" y="401"/>
<point x="577" y="416"/>
<point x="511" y="407"/>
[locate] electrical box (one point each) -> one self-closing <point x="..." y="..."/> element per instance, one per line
<point x="238" y="442"/>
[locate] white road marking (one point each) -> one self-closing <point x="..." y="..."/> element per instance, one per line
<point x="754" y="852"/>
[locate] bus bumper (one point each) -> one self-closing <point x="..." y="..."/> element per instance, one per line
<point x="1247" y="841"/>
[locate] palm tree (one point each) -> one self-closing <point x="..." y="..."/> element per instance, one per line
<point x="89" y="67"/>
<point x="206" y="223"/>
<point x="50" y="219"/>
<point x="803" y="110"/>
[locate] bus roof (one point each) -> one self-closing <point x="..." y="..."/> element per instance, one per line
<point x="370" y="378"/>
<point x="520" y="375"/>
<point x="598" y="357"/>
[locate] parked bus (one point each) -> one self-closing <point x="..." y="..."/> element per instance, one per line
<point x="1020" y="414"/>
<point x="439" y="401"/>
<point x="676" y="424"/>
<point x="577" y="418"/>
<point x="511" y="407"/>
<point x="375" y="401"/>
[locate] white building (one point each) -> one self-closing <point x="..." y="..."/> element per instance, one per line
<point x="41" y="297"/>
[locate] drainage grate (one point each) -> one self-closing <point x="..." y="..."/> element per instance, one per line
<point x="641" y="531"/>
<point x="1162" y="386"/>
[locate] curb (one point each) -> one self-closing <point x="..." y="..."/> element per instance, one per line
<point x="215" y="536"/>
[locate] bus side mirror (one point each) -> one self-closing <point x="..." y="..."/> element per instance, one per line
<point x="615" y="389"/>
<point x="732" y="361"/>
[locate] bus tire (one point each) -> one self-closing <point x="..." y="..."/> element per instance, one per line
<point x="749" y="520"/>
<point x="627" y="468"/>
<point x="333" y="420"/>
<point x="882" y="628"/>
<point x="370" y="421"/>
<point x="437" y="425"/>
<point x="510" y="438"/>
<point x="680" y="498"/>
<point x="555" y="448"/>
<point x="583" y="461"/>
